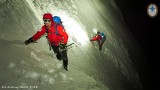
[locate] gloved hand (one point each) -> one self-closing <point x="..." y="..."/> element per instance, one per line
<point x="28" y="41"/>
<point x="63" y="46"/>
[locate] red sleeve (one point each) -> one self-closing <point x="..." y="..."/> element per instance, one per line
<point x="95" y="38"/>
<point x="39" y="34"/>
<point x="63" y="33"/>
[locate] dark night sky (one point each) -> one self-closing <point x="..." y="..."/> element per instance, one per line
<point x="145" y="30"/>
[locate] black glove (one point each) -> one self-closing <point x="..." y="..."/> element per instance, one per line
<point x="28" y="41"/>
<point x="63" y="46"/>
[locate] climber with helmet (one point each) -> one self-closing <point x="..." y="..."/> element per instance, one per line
<point x="100" y="37"/>
<point x="56" y="36"/>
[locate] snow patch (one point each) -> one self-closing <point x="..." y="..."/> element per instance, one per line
<point x="51" y="70"/>
<point x="11" y="65"/>
<point x="33" y="55"/>
<point x="25" y="63"/>
<point x="59" y="65"/>
<point x="20" y="73"/>
<point x="33" y="75"/>
<point x="38" y="51"/>
<point x="47" y="79"/>
<point x="70" y="78"/>
<point x="23" y="84"/>
<point x="64" y="76"/>
<point x="45" y="64"/>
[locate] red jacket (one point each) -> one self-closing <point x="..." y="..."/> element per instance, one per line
<point x="96" y="38"/>
<point x="53" y="38"/>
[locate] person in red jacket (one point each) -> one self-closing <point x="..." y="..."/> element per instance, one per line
<point x="100" y="38"/>
<point x="56" y="36"/>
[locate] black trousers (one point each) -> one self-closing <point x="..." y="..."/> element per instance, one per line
<point x="100" y="43"/>
<point x="55" y="49"/>
<point x="61" y="55"/>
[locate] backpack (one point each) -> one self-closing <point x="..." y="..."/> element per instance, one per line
<point x="103" y="36"/>
<point x="57" y="21"/>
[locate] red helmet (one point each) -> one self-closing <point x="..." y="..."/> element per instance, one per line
<point x="47" y="16"/>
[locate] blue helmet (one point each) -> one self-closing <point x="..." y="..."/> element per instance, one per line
<point x="57" y="19"/>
